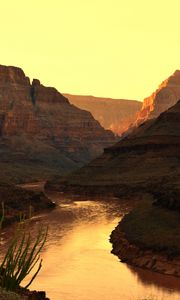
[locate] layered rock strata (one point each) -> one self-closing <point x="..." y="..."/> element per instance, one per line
<point x="39" y="128"/>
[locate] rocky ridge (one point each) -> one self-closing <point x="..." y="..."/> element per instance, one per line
<point x="167" y="95"/>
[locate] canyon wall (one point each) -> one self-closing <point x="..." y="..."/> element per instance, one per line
<point x="147" y="160"/>
<point x="112" y="114"/>
<point x="40" y="128"/>
<point x="167" y="94"/>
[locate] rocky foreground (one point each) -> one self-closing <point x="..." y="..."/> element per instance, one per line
<point x="22" y="295"/>
<point x="146" y="259"/>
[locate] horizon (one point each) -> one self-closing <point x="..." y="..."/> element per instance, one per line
<point x="74" y="46"/>
<point x="85" y="95"/>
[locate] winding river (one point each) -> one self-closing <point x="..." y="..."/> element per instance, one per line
<point x="77" y="259"/>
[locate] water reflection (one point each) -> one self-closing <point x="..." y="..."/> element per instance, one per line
<point x="78" y="265"/>
<point x="149" y="278"/>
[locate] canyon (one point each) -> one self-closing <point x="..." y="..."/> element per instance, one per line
<point x="152" y="149"/>
<point x="113" y="114"/>
<point x="144" y="166"/>
<point x="153" y="140"/>
<point x="43" y="136"/>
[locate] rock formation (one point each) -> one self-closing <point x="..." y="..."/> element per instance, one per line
<point x="41" y="133"/>
<point x="112" y="114"/>
<point x="157" y="261"/>
<point x="167" y="94"/>
<point x="146" y="160"/>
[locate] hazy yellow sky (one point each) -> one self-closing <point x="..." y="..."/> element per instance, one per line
<point x="117" y="48"/>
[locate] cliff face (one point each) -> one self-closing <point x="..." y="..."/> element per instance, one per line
<point x="167" y="94"/>
<point x="113" y="114"/>
<point x="147" y="160"/>
<point x="41" y="129"/>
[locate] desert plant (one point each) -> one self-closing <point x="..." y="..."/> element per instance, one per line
<point x="22" y="256"/>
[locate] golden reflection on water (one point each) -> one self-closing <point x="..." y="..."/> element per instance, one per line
<point x="78" y="265"/>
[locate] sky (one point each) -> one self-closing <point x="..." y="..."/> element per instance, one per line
<point x="117" y="48"/>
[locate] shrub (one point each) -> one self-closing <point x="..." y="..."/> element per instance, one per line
<point x="22" y="256"/>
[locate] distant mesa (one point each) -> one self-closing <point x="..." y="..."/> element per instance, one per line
<point x="112" y="114"/>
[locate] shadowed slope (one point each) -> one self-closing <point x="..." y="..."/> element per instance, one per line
<point x="144" y="160"/>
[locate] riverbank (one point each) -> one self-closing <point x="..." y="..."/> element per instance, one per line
<point x="149" y="237"/>
<point x="19" y="201"/>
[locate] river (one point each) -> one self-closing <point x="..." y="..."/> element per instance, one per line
<point x="77" y="259"/>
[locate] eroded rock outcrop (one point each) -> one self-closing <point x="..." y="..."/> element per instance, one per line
<point x="167" y="94"/>
<point x="143" y="258"/>
<point x="41" y="130"/>
<point x="112" y="114"/>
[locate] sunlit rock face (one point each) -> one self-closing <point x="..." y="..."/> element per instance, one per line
<point x="39" y="126"/>
<point x="112" y="114"/>
<point x="167" y="94"/>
